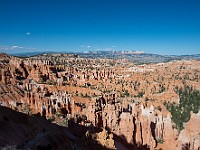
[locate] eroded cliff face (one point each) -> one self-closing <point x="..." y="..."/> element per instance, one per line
<point x="126" y="100"/>
<point x="190" y="136"/>
<point x="148" y="127"/>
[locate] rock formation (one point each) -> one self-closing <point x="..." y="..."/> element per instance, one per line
<point x="126" y="100"/>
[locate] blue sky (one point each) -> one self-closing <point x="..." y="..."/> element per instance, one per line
<point x="154" y="26"/>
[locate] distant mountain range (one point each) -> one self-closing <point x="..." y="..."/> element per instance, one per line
<point x="133" y="56"/>
<point x="139" y="58"/>
<point x="29" y="54"/>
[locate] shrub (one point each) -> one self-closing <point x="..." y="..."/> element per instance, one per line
<point x="161" y="141"/>
<point x="189" y="101"/>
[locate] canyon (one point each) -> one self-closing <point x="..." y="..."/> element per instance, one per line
<point x="99" y="101"/>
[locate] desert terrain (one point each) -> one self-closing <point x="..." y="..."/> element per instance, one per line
<point x="85" y="102"/>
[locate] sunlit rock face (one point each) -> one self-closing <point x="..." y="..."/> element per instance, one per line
<point x="189" y="137"/>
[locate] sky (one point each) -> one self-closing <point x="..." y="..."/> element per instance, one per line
<point x="152" y="26"/>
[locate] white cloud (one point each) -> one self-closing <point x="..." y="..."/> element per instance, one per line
<point x="113" y="46"/>
<point x="10" y="47"/>
<point x="88" y="46"/>
<point x="15" y="47"/>
<point x="28" y="33"/>
<point x="3" y="48"/>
